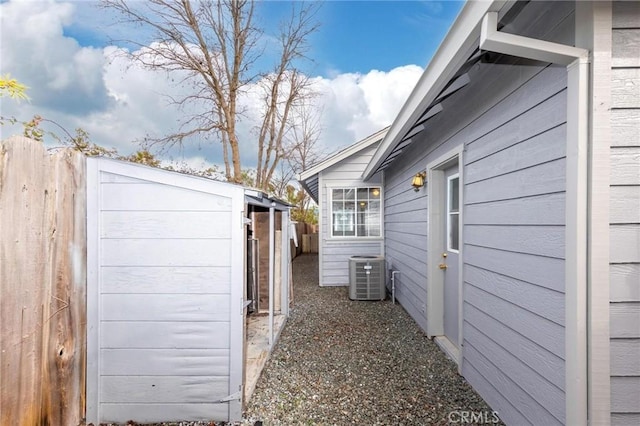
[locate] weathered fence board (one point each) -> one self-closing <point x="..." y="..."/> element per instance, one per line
<point x="42" y="284"/>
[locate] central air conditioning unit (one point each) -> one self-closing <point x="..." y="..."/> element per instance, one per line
<point x="367" y="278"/>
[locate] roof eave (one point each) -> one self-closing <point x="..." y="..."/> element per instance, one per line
<point x="314" y="195"/>
<point x="345" y="153"/>
<point x="454" y="50"/>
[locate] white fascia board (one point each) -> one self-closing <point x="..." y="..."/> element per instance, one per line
<point x="524" y="47"/>
<point x="345" y="153"/>
<point x="453" y="52"/>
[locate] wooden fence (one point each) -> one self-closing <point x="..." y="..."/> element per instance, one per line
<point x="42" y="285"/>
<point x="306" y="234"/>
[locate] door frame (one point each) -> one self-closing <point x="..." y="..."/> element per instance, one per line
<point x="436" y="237"/>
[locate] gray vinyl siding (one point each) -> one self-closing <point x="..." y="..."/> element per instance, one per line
<point x="511" y="120"/>
<point x="514" y="240"/>
<point x="625" y="215"/>
<point x="335" y="252"/>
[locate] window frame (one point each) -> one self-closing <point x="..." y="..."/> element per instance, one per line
<point x="330" y="212"/>
<point x="449" y="213"/>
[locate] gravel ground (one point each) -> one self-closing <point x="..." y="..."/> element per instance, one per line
<point x="344" y="362"/>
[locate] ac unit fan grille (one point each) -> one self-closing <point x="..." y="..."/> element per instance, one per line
<point x="367" y="278"/>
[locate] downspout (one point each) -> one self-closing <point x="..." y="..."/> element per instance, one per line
<point x="272" y="269"/>
<point x="576" y="257"/>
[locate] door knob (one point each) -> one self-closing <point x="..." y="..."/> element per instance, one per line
<point x="442" y="266"/>
<point x="444" y="255"/>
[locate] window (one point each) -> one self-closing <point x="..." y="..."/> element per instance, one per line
<point x="453" y="213"/>
<point x="355" y="212"/>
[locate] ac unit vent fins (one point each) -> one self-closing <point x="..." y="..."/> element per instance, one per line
<point x="367" y="278"/>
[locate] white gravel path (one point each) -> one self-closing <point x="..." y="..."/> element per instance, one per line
<point x="342" y="362"/>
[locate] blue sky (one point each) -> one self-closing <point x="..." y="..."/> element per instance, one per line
<point x="367" y="56"/>
<point x="359" y="36"/>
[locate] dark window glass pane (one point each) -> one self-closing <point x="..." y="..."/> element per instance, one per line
<point x="338" y="194"/>
<point x="454" y="193"/>
<point x="454" y="238"/>
<point x="362" y="231"/>
<point x="363" y="194"/>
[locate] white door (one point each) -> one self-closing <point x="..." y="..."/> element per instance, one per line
<point x="450" y="253"/>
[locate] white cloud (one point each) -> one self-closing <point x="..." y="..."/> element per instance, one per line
<point x="118" y="102"/>
<point x="358" y="105"/>
<point x="63" y="76"/>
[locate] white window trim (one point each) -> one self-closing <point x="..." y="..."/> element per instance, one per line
<point x="330" y="213"/>
<point x="449" y="213"/>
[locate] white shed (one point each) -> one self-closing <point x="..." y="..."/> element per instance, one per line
<point x="167" y="292"/>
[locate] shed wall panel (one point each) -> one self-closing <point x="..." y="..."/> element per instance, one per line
<point x="162" y="389"/>
<point x="157" y="362"/>
<point x="625" y="214"/>
<point x="166" y="252"/>
<point x="153" y="197"/>
<point x="168" y="224"/>
<point x="166" y="279"/>
<point x="165" y="245"/>
<point x="165" y="307"/>
<point x="168" y="335"/>
<point x="161" y="412"/>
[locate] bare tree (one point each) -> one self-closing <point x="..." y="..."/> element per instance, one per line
<point x="303" y="151"/>
<point x="303" y="141"/>
<point x="213" y="46"/>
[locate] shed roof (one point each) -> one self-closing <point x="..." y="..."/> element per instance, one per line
<point x="309" y="178"/>
<point x="443" y="76"/>
<point x="252" y="196"/>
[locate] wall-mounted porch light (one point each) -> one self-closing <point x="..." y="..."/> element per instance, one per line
<point x="418" y="180"/>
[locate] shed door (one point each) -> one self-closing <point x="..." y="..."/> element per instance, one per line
<point x="165" y="289"/>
